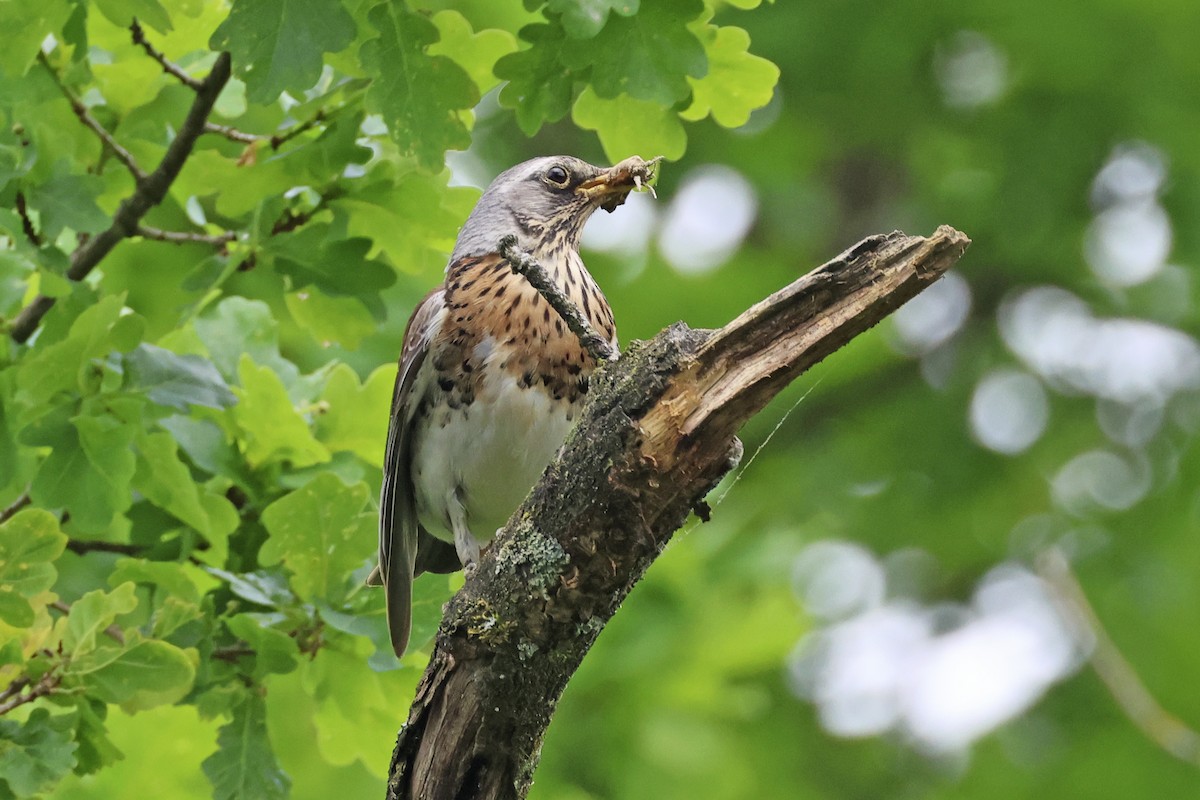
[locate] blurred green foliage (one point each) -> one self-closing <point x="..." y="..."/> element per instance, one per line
<point x="198" y="427"/>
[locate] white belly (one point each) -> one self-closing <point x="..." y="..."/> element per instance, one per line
<point x="486" y="456"/>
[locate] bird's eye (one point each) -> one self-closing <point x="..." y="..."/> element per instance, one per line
<point x="557" y="175"/>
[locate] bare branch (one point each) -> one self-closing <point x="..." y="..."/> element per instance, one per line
<point x="85" y="116"/>
<point x="186" y="237"/>
<point x="527" y="266"/>
<point x="26" y="223"/>
<point x="82" y="547"/>
<point x="657" y="433"/>
<point x="16" y="505"/>
<point x="149" y="193"/>
<point x="1114" y="670"/>
<point x="15" y="699"/>
<point x="231" y="133"/>
<point x="275" y="140"/>
<point x="169" y="67"/>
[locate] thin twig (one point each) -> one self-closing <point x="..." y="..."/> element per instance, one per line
<point x="169" y="67"/>
<point x="276" y="140"/>
<point x="149" y="193"/>
<point x="186" y="237"/>
<point x="232" y="133"/>
<point x="16" y="505"/>
<point x="1114" y="670"/>
<point x="527" y="266"/>
<point x="47" y="684"/>
<point x="80" y="547"/>
<point x="85" y="116"/>
<point x="26" y="223"/>
<point x="15" y="687"/>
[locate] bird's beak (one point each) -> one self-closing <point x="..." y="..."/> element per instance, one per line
<point x="610" y="188"/>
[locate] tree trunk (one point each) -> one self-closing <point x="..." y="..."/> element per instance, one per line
<point x="656" y="436"/>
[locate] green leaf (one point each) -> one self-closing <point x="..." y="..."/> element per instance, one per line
<point x="35" y="754"/>
<point x="261" y="588"/>
<point x="205" y="444"/>
<point x="539" y="87"/>
<point x="61" y="366"/>
<point x="422" y="98"/>
<point x="180" y="381"/>
<point x="322" y="533"/>
<point x="277" y="44"/>
<point x="69" y="201"/>
<point x="143" y="674"/>
<point x="412" y="218"/>
<point x="342" y="320"/>
<point x="25" y="26"/>
<point x="357" y="415"/>
<point x="648" y="56"/>
<point x="122" y="12"/>
<point x="628" y="126"/>
<point x="167" y="483"/>
<point x="88" y="471"/>
<point x="237" y="327"/>
<point x="583" y="19"/>
<point x="244" y="764"/>
<point x="30" y="541"/>
<point x="271" y="430"/>
<point x="477" y="53"/>
<point x="274" y="650"/>
<point x="737" y="82"/>
<point x="338" y="266"/>
<point x="168" y="575"/>
<point x="95" y="750"/>
<point x="352" y="701"/>
<point x="93" y="613"/>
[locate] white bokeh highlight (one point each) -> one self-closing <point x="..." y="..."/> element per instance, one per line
<point x="1130" y="238"/>
<point x="942" y="675"/>
<point x="933" y="316"/>
<point x="1126" y="360"/>
<point x="970" y="69"/>
<point x="708" y="219"/>
<point x="1009" y="411"/>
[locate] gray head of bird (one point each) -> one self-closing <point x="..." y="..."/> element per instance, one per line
<point x="545" y="202"/>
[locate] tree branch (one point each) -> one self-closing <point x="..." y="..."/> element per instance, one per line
<point x="169" y="67"/>
<point x="527" y="266"/>
<point x="9" y="511"/>
<point x="186" y="237"/>
<point x="656" y="435"/>
<point x="15" y="696"/>
<point x="85" y="116"/>
<point x="27" y="226"/>
<point x="149" y="192"/>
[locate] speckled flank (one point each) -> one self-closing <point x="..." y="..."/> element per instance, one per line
<point x="496" y="320"/>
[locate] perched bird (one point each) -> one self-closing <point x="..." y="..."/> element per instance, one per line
<point x="490" y="376"/>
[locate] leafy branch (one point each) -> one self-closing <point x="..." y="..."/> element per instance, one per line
<point x="149" y="192"/>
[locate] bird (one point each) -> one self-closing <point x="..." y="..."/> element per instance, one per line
<point x="490" y="378"/>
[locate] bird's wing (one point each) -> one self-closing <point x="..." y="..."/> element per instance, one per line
<point x="399" y="531"/>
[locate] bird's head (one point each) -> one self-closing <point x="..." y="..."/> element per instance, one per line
<point x="545" y="202"/>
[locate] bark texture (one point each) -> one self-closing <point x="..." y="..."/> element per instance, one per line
<point x="656" y="436"/>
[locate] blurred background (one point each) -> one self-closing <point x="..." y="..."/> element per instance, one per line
<point x="882" y="605"/>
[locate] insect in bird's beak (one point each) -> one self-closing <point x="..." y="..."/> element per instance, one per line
<point x="614" y="184"/>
